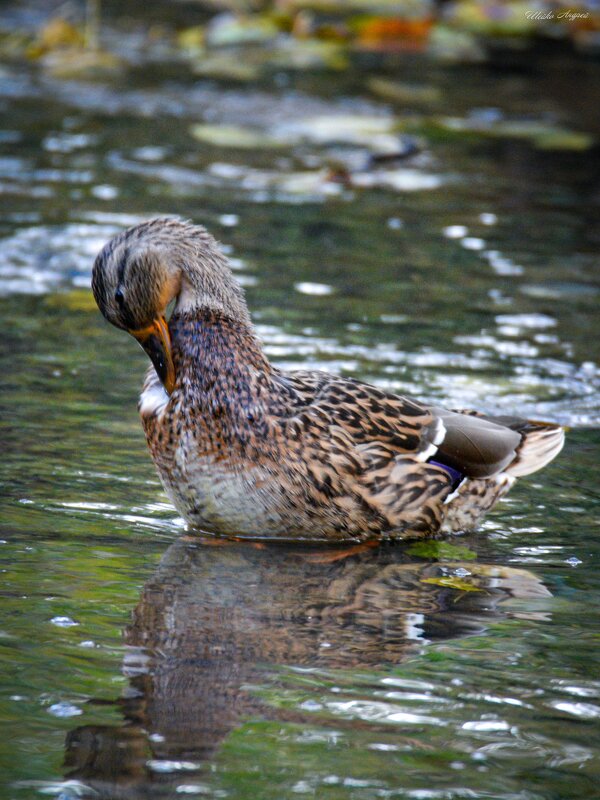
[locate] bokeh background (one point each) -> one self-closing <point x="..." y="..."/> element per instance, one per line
<point x="408" y="191"/>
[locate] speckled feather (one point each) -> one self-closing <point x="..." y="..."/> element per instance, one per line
<point x="245" y="449"/>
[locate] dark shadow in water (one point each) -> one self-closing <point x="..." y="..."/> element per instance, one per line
<point x="216" y="618"/>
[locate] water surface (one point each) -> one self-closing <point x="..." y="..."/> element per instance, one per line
<point x="140" y="661"/>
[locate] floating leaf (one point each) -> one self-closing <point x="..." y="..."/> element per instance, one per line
<point x="192" y="39"/>
<point x="301" y="54"/>
<point x="442" y="551"/>
<point x="75" y="62"/>
<point x="560" y="139"/>
<point x="66" y="51"/>
<point x="233" y="136"/>
<point x="360" y="6"/>
<point x="55" y="35"/>
<point x="493" y="18"/>
<point x="381" y="32"/>
<point x="406" y="93"/>
<point x="222" y="66"/>
<point x="489" y="122"/>
<point x="233" y="29"/>
<point x="453" y="46"/>
<point x="310" y="183"/>
<point x="368" y="131"/>
<point x="451" y="582"/>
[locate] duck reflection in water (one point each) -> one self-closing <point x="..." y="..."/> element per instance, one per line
<point x="216" y="619"/>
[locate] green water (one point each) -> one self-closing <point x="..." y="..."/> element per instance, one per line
<point x="138" y="661"/>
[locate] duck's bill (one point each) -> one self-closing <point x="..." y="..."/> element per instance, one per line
<point x="156" y="341"/>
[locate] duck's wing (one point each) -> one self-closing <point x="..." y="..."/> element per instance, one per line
<point x="362" y="453"/>
<point x="380" y="425"/>
<point x="377" y="423"/>
<point x="393" y="463"/>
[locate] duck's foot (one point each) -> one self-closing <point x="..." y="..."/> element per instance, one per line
<point x="331" y="556"/>
<point x="217" y="541"/>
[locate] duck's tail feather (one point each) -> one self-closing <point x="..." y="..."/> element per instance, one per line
<point x="481" y="446"/>
<point x="541" y="443"/>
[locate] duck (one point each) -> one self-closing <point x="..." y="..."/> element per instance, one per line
<point x="247" y="450"/>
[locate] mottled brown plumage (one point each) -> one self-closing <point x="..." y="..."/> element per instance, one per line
<point x="245" y="449"/>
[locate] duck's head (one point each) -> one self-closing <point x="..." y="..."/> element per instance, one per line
<point x="141" y="270"/>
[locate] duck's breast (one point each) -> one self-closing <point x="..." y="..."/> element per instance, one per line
<point x="210" y="487"/>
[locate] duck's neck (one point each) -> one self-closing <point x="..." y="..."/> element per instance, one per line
<point x="216" y="357"/>
<point x="207" y="282"/>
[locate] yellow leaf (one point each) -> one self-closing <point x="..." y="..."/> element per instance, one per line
<point x="56" y="35"/>
<point x="233" y="136"/>
<point x="453" y="583"/>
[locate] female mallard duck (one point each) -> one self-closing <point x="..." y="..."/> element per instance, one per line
<point x="245" y="449"/>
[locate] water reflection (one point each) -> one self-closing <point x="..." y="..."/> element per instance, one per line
<point x="217" y="622"/>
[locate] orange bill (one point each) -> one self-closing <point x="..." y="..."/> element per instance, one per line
<point x="156" y="341"/>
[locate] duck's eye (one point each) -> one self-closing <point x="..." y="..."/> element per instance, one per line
<point x="120" y="297"/>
